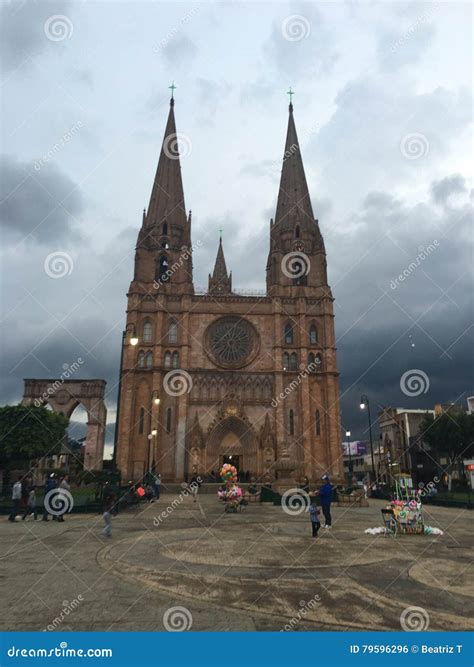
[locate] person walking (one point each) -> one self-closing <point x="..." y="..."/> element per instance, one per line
<point x="31" y="505"/>
<point x="194" y="485"/>
<point x="325" y="494"/>
<point x="65" y="487"/>
<point x="16" y="498"/>
<point x="49" y="486"/>
<point x="107" y="516"/>
<point x="314" y="513"/>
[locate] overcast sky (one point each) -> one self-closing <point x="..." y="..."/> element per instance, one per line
<point x="383" y="111"/>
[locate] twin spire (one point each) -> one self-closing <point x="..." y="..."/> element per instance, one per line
<point x="166" y="224"/>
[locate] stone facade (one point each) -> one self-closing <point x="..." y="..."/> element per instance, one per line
<point x="220" y="374"/>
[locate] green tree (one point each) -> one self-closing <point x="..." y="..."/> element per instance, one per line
<point x="450" y="435"/>
<point x="28" y="432"/>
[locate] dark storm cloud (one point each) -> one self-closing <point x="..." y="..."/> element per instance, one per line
<point x="444" y="189"/>
<point x="22" y="32"/>
<point x="38" y="204"/>
<point x="178" y="50"/>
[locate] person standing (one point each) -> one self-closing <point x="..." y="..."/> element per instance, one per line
<point x="65" y="488"/>
<point x="31" y="505"/>
<point x="16" y="498"/>
<point x="49" y="486"/>
<point x="194" y="485"/>
<point x="157" y="485"/>
<point x="325" y="494"/>
<point x="314" y="513"/>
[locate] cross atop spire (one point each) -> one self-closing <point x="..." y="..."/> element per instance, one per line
<point x="172" y="88"/>
<point x="290" y="93"/>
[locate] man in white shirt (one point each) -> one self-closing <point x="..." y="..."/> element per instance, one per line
<point x="16" y="497"/>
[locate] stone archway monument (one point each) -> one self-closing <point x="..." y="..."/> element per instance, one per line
<point x="64" y="396"/>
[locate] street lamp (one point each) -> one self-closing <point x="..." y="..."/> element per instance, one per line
<point x="348" y="435"/>
<point x="133" y="340"/>
<point x="364" y="403"/>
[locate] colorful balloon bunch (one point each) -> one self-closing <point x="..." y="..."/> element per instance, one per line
<point x="228" y="473"/>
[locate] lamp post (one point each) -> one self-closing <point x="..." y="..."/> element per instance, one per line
<point x="133" y="341"/>
<point x="150" y="438"/>
<point x="349" y="477"/>
<point x="156" y="402"/>
<point x="364" y="403"/>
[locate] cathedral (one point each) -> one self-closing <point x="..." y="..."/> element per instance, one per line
<point x="215" y="377"/>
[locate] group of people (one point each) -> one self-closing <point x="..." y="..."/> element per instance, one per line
<point x="325" y="496"/>
<point x="24" y="500"/>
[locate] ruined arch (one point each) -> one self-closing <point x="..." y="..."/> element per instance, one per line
<point x="63" y="396"/>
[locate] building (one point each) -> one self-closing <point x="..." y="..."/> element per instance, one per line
<point x="470" y="405"/>
<point x="404" y="450"/>
<point x="220" y="374"/>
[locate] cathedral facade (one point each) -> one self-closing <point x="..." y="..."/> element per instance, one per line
<point x="216" y="377"/>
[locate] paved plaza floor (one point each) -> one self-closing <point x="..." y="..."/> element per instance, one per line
<point x="258" y="570"/>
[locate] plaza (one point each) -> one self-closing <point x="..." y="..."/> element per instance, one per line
<point x="257" y="570"/>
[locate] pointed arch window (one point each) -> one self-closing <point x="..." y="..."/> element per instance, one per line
<point x="286" y="361"/>
<point x="168" y="420"/>
<point x="289" y="333"/>
<point x="291" y="422"/>
<point x="311" y="363"/>
<point x="173" y="332"/>
<point x="317" y="421"/>
<point x="147" y="332"/>
<point x="141" y="421"/>
<point x="163" y="266"/>
<point x="313" y="335"/>
<point x="297" y="232"/>
<point x="319" y="362"/>
<point x="149" y="360"/>
<point x="293" y="361"/>
<point x="165" y="228"/>
<point x="167" y="359"/>
<point x="141" y="359"/>
<point x="175" y="360"/>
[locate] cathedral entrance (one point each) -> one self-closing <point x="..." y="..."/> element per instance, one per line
<point x="233" y="460"/>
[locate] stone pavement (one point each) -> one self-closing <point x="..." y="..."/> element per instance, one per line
<point x="258" y="570"/>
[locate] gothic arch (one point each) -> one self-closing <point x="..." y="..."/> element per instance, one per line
<point x="64" y="396"/>
<point x="245" y="444"/>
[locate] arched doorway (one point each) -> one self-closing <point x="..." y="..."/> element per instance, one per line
<point x="232" y="440"/>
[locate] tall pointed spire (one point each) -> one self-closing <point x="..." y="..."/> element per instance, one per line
<point x="220" y="282"/>
<point x="293" y="196"/>
<point x="167" y="195"/>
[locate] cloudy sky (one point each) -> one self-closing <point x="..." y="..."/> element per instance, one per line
<point x="383" y="111"/>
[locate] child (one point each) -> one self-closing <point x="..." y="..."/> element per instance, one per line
<point x="314" y="513"/>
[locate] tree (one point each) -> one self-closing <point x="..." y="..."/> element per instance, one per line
<point x="449" y="434"/>
<point x="28" y="432"/>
